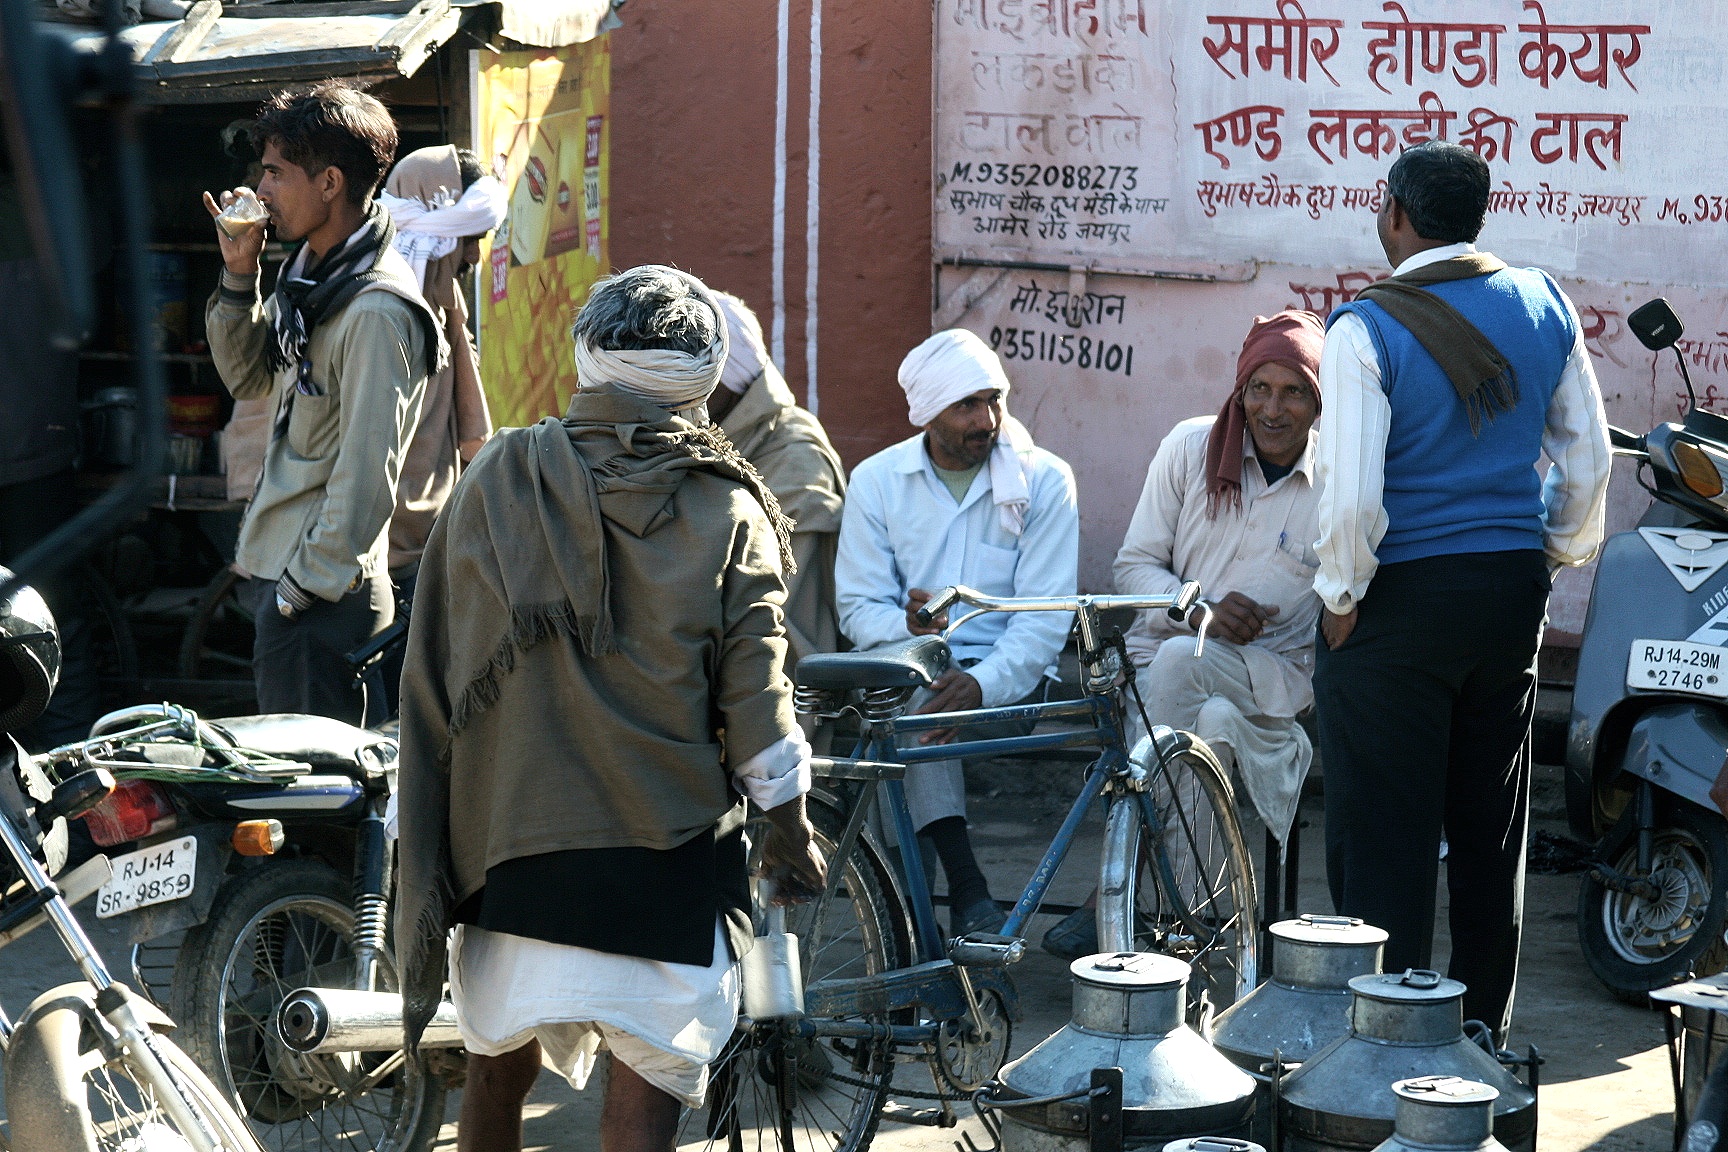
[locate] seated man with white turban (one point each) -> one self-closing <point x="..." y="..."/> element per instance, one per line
<point x="969" y="500"/>
<point x="758" y="412"/>
<point x="595" y="676"/>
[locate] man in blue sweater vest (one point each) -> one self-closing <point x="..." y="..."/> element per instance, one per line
<point x="1438" y="537"/>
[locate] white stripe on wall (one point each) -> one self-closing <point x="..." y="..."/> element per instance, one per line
<point x="813" y="206"/>
<point x="777" y="330"/>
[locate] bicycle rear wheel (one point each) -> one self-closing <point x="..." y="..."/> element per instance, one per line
<point x="772" y="1089"/>
<point x="1176" y="876"/>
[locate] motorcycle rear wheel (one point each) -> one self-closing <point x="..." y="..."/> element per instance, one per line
<point x="114" y="1103"/>
<point x="287" y="925"/>
<point x="1634" y="944"/>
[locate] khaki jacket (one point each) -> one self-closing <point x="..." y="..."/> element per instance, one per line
<point x="790" y="449"/>
<point x="321" y="513"/>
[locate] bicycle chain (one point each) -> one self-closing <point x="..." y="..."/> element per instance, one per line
<point x="910" y="1093"/>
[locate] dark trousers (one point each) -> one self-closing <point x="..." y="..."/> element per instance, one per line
<point x="1424" y="718"/>
<point x="29" y="510"/>
<point x="299" y="665"/>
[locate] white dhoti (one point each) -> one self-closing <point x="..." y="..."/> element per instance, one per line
<point x="1213" y="697"/>
<point x="668" y="1022"/>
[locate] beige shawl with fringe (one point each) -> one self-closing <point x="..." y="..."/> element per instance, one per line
<point x="593" y="600"/>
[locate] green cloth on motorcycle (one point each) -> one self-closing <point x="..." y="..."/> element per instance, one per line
<point x="596" y="630"/>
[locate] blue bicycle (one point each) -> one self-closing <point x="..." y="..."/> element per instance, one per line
<point x="883" y="987"/>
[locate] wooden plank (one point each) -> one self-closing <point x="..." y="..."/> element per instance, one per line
<point x="410" y="25"/>
<point x="191" y="33"/>
<point x="321" y="11"/>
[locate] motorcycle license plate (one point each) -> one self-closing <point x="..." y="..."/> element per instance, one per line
<point x="153" y="875"/>
<point x="1678" y="666"/>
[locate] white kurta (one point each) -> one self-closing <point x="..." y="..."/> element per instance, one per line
<point x="1243" y="697"/>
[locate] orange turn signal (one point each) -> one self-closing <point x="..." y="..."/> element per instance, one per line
<point x="257" y="837"/>
<point x="1697" y="470"/>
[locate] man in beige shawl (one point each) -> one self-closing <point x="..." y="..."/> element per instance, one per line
<point x="443" y="204"/>
<point x="594" y="683"/>
<point x="785" y="443"/>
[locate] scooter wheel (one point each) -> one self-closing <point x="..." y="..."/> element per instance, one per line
<point x="1636" y="943"/>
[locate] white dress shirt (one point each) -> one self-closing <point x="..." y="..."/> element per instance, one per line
<point x="1350" y="461"/>
<point x="903" y="529"/>
<point x="1264" y="550"/>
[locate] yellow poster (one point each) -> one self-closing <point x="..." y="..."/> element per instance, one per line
<point x="541" y="125"/>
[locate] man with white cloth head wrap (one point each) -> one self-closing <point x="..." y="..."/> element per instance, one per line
<point x="758" y="412"/>
<point x="969" y="500"/>
<point x="595" y="675"/>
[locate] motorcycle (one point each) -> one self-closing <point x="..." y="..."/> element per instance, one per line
<point x="278" y="822"/>
<point x="89" y="1067"/>
<point x="1649" y="720"/>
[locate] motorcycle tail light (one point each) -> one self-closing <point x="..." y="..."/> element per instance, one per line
<point x="1697" y="470"/>
<point x="132" y="811"/>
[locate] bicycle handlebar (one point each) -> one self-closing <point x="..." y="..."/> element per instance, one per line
<point x="1178" y="606"/>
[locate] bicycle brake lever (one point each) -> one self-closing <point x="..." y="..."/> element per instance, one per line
<point x="1205" y="610"/>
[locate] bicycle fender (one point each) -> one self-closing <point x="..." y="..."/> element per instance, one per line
<point x="44" y="1069"/>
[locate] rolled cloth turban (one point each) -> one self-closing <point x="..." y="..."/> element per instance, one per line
<point x="949" y="367"/>
<point x="433" y="212"/>
<point x="674" y="380"/>
<point x="1292" y="338"/>
<point x="747" y="355"/>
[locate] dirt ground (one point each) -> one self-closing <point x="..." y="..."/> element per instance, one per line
<point x="1605" y="1085"/>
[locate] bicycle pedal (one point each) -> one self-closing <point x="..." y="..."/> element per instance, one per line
<point x="986" y="949"/>
<point x="899" y="1113"/>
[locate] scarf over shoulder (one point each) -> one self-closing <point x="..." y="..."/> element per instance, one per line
<point x="520" y="557"/>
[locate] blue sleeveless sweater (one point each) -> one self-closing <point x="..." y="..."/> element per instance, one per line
<point x="1449" y="491"/>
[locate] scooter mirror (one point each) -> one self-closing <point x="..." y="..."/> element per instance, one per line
<point x="1655" y="325"/>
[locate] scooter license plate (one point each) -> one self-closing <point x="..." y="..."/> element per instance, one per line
<point x="1678" y="666"/>
<point x="153" y="875"/>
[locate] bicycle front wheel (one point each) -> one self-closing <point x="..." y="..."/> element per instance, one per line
<point x="774" y="1089"/>
<point x="70" y="1086"/>
<point x="1176" y="875"/>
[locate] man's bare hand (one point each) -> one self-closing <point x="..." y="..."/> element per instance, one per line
<point x="239" y="255"/>
<point x="1335" y="628"/>
<point x="790" y="857"/>
<point x="916" y="598"/>
<point x="1236" y="618"/>
<point x="956" y="691"/>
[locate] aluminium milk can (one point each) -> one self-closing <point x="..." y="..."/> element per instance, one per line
<point x="1304" y="1006"/>
<point x="1128" y="1014"/>
<point x="1443" y="1114"/>
<point x="1402" y="1026"/>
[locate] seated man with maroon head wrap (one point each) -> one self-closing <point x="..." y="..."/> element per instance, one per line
<point x="1230" y="501"/>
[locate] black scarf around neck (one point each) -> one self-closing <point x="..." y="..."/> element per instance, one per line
<point x="304" y="300"/>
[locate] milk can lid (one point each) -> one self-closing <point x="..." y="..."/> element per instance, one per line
<point x="1131" y="970"/>
<point x="1446" y="1091"/>
<point x="1411" y="986"/>
<point x="1313" y="928"/>
<point x="1213" y="1144"/>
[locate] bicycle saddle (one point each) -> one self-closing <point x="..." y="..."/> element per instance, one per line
<point x="315" y="740"/>
<point x="914" y="663"/>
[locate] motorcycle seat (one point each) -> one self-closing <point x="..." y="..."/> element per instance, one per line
<point x="315" y="740"/>
<point x="914" y="663"/>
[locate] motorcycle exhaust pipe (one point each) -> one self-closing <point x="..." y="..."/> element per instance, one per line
<point x="321" y="1020"/>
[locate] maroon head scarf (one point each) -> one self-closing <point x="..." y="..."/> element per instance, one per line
<point x="1292" y="338"/>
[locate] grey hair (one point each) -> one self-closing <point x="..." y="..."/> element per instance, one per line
<point x="651" y="306"/>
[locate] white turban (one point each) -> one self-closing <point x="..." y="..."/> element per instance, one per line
<point x="427" y="232"/>
<point x="674" y="380"/>
<point x="950" y="366"/>
<point x="748" y="357"/>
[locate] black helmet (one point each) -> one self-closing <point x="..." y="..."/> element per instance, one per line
<point x="29" y="656"/>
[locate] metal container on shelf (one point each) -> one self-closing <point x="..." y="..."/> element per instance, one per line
<point x="111" y="427"/>
<point x="1128" y="1016"/>
<point x="1443" y="1114"/>
<point x="1402" y="1026"/>
<point x="1304" y="1006"/>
